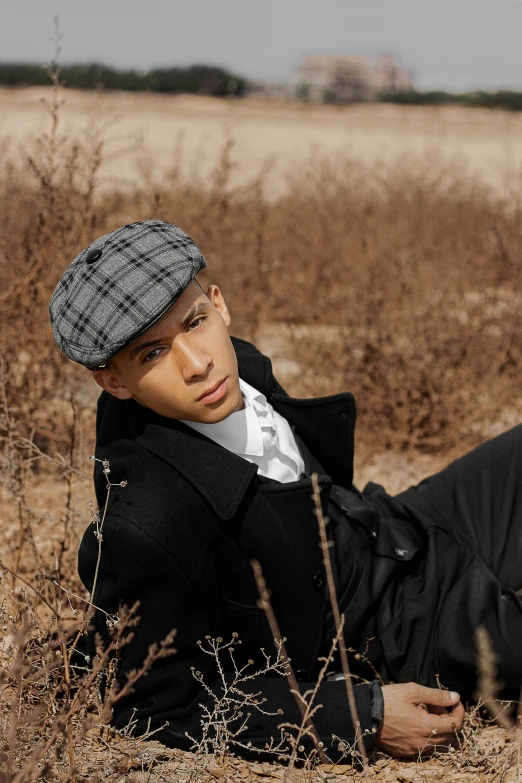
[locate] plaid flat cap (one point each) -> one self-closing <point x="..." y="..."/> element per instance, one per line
<point x="119" y="286"/>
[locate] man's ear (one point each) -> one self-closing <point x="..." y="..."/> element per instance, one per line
<point x="216" y="297"/>
<point x="110" y="381"/>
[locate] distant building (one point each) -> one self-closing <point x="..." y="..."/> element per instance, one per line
<point x="390" y="76"/>
<point x="345" y="78"/>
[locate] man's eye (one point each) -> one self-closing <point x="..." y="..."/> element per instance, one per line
<point x="197" y="322"/>
<point x="152" y="354"/>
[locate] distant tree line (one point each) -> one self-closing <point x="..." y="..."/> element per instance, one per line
<point x="500" y="99"/>
<point x="211" y="80"/>
<point x="202" y="79"/>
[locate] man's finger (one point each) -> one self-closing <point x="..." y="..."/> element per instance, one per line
<point x="440" y="729"/>
<point x="435" y="696"/>
<point x="457" y="715"/>
<point x="444" y="710"/>
<point x="446" y="724"/>
<point x="436" y="710"/>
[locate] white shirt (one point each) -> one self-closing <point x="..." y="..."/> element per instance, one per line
<point x="259" y="434"/>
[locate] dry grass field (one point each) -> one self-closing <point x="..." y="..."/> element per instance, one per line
<point x="386" y="260"/>
<point x="282" y="135"/>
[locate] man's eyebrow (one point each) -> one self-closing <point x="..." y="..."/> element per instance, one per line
<point x="195" y="309"/>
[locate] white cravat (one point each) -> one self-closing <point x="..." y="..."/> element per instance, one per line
<point x="259" y="434"/>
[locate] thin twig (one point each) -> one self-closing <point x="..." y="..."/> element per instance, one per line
<point x="487" y="685"/>
<point x="265" y="604"/>
<point x="337" y="618"/>
<point x="42" y="598"/>
<point x="67" y="516"/>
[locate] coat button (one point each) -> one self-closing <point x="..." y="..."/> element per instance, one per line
<point x="401" y="552"/>
<point x="374" y="534"/>
<point x="93" y="256"/>
<point x="318" y="580"/>
<point x="301" y="675"/>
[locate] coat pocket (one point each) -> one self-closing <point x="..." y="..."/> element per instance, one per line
<point x="399" y="540"/>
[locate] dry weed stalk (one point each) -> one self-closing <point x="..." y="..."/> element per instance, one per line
<point x="98" y="520"/>
<point x="225" y="721"/>
<point x="305" y="704"/>
<point x="30" y="669"/>
<point x="487" y="686"/>
<point x="488" y="689"/>
<point x="40" y="634"/>
<point x="339" y="622"/>
<point x="296" y="733"/>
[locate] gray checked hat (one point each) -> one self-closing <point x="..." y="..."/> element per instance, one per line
<point x="119" y="286"/>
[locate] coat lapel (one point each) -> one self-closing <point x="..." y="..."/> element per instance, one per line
<point x="327" y="427"/>
<point x="217" y="474"/>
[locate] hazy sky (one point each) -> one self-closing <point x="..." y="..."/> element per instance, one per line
<point x="447" y="43"/>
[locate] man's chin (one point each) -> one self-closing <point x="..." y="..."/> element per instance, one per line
<point x="219" y="414"/>
<point x="222" y="409"/>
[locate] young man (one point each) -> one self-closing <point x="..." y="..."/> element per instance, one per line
<point x="217" y="460"/>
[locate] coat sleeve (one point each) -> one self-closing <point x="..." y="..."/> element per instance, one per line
<point x="135" y="567"/>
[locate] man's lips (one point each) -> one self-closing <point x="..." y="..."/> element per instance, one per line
<point x="215" y="392"/>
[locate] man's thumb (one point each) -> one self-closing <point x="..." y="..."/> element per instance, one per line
<point x="437" y="697"/>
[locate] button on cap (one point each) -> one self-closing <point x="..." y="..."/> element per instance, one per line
<point x="93" y="256"/>
<point x="318" y="580"/>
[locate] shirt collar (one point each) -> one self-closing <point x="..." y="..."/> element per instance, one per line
<point x="241" y="431"/>
<point x="251" y="395"/>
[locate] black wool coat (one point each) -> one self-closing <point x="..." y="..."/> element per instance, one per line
<point x="179" y="538"/>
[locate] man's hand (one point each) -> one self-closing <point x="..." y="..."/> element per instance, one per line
<point x="416" y="718"/>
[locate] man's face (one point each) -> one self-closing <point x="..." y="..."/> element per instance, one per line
<point x="184" y="366"/>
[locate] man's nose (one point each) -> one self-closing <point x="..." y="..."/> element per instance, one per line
<point x="196" y="364"/>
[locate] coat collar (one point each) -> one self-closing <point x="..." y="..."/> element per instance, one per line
<point x="217" y="474"/>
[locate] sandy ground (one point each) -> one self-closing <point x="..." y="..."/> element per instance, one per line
<point x="489" y="142"/>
